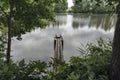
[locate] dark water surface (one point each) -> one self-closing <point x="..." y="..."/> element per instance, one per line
<point x="76" y="29"/>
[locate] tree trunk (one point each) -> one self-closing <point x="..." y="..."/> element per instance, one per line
<point x="9" y="39"/>
<point x="114" y="72"/>
<point x="9" y="23"/>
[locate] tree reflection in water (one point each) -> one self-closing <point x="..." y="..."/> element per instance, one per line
<point x="103" y="21"/>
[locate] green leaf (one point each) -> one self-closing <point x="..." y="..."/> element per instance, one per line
<point x="22" y="63"/>
<point x="5" y="68"/>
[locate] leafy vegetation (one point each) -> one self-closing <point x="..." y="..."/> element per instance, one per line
<point x="61" y="7"/>
<point x="92" y="64"/>
<point x="94" y="6"/>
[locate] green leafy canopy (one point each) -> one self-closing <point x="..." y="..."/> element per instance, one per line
<point x="27" y="14"/>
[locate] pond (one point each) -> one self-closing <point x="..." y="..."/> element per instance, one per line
<point x="76" y="29"/>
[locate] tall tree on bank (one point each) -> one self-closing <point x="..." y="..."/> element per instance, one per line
<point x="22" y="16"/>
<point x="114" y="72"/>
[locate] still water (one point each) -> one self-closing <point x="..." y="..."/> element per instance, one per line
<point x="76" y="29"/>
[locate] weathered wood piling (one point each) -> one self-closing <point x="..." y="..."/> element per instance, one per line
<point x="58" y="47"/>
<point x="58" y="51"/>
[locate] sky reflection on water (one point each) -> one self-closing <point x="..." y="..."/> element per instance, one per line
<point x="75" y="29"/>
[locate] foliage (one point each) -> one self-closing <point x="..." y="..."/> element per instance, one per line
<point x="94" y="6"/>
<point x="92" y="64"/>
<point x="2" y="46"/>
<point x="20" y="71"/>
<point x="61" y="7"/>
<point x="27" y="14"/>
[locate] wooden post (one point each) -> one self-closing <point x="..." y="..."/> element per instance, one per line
<point x="58" y="51"/>
<point x="58" y="48"/>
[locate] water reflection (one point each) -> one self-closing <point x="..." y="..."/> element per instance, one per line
<point x="60" y="20"/>
<point x="75" y="29"/>
<point x="104" y="21"/>
<point x="80" y="20"/>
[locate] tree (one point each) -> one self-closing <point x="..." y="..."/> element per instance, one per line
<point x="94" y="6"/>
<point x="22" y="16"/>
<point x="61" y="7"/>
<point x="114" y="73"/>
